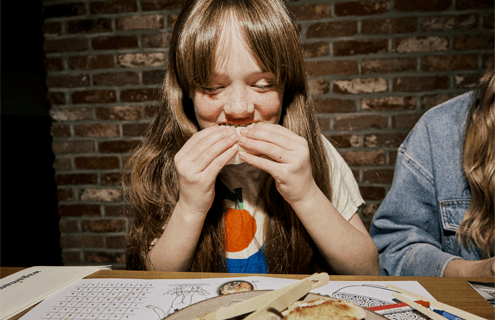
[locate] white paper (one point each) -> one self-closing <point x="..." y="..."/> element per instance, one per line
<point x="25" y="288"/>
<point x="155" y="299"/>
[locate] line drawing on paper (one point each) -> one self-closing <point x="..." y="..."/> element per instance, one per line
<point x="184" y="294"/>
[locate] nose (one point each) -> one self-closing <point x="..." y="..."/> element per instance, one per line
<point x="238" y="104"/>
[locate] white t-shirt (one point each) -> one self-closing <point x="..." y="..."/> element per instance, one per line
<point x="244" y="223"/>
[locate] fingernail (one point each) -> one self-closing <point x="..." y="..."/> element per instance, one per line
<point x="243" y="131"/>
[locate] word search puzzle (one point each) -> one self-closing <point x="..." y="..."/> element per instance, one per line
<point x="98" y="299"/>
<point x="133" y="299"/>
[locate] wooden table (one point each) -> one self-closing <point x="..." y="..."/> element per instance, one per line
<point x="453" y="291"/>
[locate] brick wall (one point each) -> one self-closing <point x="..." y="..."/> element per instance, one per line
<point x="374" y="66"/>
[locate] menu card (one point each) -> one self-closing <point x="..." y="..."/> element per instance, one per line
<point x="25" y="288"/>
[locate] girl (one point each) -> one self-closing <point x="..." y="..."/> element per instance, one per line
<point x="438" y="219"/>
<point x="236" y="66"/>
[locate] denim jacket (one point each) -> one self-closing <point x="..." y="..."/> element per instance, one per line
<point x="414" y="228"/>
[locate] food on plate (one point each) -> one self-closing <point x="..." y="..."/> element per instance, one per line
<point x="324" y="308"/>
<point x="234" y="287"/>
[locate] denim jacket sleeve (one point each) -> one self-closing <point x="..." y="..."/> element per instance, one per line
<point x="414" y="230"/>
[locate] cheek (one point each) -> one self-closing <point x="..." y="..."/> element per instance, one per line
<point x="270" y="105"/>
<point x="206" y="110"/>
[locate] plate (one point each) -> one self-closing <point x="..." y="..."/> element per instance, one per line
<point x="213" y="304"/>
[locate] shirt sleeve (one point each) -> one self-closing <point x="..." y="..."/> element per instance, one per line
<point x="345" y="191"/>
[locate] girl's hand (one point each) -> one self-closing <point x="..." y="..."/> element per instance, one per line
<point x="198" y="164"/>
<point x="288" y="163"/>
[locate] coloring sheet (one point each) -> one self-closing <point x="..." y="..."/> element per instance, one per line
<point x="135" y="299"/>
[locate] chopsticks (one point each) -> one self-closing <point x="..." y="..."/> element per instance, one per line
<point x="433" y="303"/>
<point x="275" y="299"/>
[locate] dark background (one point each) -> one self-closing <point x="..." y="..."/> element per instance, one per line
<point x="28" y="214"/>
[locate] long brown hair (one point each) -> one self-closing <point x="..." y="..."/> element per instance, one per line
<point x="151" y="183"/>
<point x="478" y="161"/>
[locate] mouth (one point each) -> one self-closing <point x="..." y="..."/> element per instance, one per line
<point x="239" y="125"/>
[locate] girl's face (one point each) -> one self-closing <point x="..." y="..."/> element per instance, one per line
<point x="240" y="92"/>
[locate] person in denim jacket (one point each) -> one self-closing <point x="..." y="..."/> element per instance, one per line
<point x="425" y="226"/>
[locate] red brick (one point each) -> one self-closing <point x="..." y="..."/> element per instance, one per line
<point x="51" y="29"/>
<point x="97" y="130"/>
<point x="113" y="6"/>
<point x="145" y="22"/>
<point x="405" y="121"/>
<point x="334" y="106"/>
<point x="70" y="257"/>
<point x="422" y="5"/>
<point x="388" y="104"/>
<point x="94" y="96"/>
<point x="65" y="195"/>
<point x="344" y="140"/>
<point x="117" y="211"/>
<point x="111" y="179"/>
<point x="474" y="41"/>
<point x="116" y="242"/>
<point x="133" y="60"/>
<point x="471" y="5"/>
<point x="72" y="146"/>
<point x="318" y="86"/>
<point x="393" y="157"/>
<point x="384" y="140"/>
<point x="358" y="47"/>
<point x="420" y="44"/>
<point x="429" y="101"/>
<point x="89" y="26"/>
<point x="73" y="114"/>
<point x="334" y="67"/>
<point x="358" y="122"/>
<point x="372" y="193"/>
<point x="104" y="195"/>
<point x="121" y="146"/>
<point x="449" y="63"/>
<point x="134" y="129"/>
<point x="469" y="81"/>
<point x="67" y="81"/>
<point x="115" y="42"/>
<point x="414" y="84"/>
<point x="91" y="62"/>
<point x="156" y="40"/>
<point x="323" y="123"/>
<point x="76" y="178"/>
<point x="54" y="98"/>
<point x="487" y="60"/>
<point x="139" y="95"/>
<point x="488" y="20"/>
<point x="310" y="11"/>
<point x="447" y="23"/>
<point x="64" y="10"/>
<point x="104" y="257"/>
<point x="60" y="131"/>
<point x="119" y="113"/>
<point x="116" y="79"/>
<point x="364" y="158"/>
<point x="150" y="111"/>
<point x="388" y="65"/>
<point x="113" y="225"/>
<point x="332" y="29"/>
<point x="354" y="86"/>
<point x="378" y="175"/>
<point x="152" y="5"/>
<point x="369" y="210"/>
<point x="62" y="164"/>
<point x="68" y="226"/>
<point x="79" y="210"/>
<point x="153" y="77"/>
<point x="54" y="64"/>
<point x="361" y="8"/>
<point x="92" y="163"/>
<point x="389" y="25"/>
<point x="86" y="241"/>
<point x="65" y="45"/>
<point x="316" y="49"/>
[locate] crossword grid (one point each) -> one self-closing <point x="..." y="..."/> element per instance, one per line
<point x="101" y="300"/>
